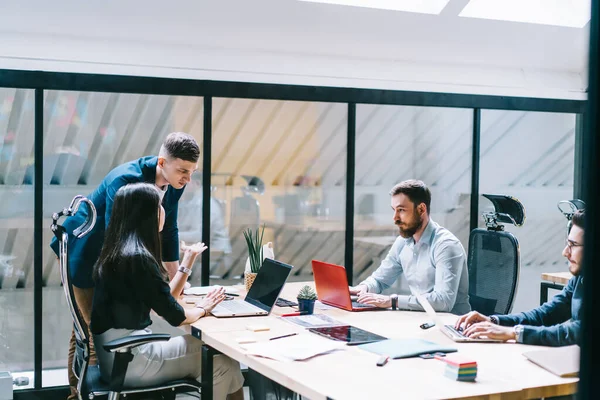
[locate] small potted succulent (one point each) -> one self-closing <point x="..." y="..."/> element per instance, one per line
<point x="306" y="300"/>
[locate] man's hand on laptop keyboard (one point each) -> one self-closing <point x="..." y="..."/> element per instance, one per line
<point x="469" y="319"/>
<point x="490" y="331"/>
<point x="374" y="299"/>
<point x="358" y="290"/>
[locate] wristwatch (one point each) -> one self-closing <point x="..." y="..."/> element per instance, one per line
<point x="185" y="270"/>
<point x="518" y="329"/>
<point x="494" y="320"/>
<point x="394" y="298"/>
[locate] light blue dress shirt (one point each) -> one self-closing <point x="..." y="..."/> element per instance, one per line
<point x="436" y="267"/>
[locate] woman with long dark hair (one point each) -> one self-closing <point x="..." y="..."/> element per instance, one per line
<point x="131" y="281"/>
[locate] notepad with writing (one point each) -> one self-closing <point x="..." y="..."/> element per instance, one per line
<point x="405" y="348"/>
<point x="561" y="361"/>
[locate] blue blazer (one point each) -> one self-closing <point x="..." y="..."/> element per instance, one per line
<point x="555" y="323"/>
<point x="83" y="253"/>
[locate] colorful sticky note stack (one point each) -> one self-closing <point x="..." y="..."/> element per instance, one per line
<point x="459" y="368"/>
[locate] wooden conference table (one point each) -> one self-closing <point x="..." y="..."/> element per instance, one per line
<point x="503" y="372"/>
<point x="553" y="280"/>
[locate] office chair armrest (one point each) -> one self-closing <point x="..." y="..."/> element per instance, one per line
<point x="129" y="342"/>
<point x="123" y="356"/>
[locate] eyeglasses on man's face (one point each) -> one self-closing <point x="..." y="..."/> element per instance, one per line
<point x="571" y="244"/>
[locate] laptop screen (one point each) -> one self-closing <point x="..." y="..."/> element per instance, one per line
<point x="268" y="284"/>
<point x="428" y="309"/>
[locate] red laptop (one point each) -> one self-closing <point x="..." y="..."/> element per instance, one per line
<point x="332" y="287"/>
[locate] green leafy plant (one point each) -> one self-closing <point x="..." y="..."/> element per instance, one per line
<point x="255" y="248"/>
<point x="307" y="293"/>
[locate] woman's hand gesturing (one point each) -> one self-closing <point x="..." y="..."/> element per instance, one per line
<point x="213" y="298"/>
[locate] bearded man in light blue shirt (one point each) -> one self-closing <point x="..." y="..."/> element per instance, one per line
<point x="428" y="256"/>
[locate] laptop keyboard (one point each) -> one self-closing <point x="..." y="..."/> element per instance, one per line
<point x="356" y="304"/>
<point x="285" y="303"/>
<point x="454" y="331"/>
<point x="237" y="307"/>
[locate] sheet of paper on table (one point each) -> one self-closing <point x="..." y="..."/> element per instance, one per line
<point x="313" y="321"/>
<point x="293" y="348"/>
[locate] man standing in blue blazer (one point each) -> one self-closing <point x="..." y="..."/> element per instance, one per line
<point x="555" y="323"/>
<point x="171" y="171"/>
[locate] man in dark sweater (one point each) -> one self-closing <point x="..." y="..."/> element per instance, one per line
<point x="555" y="323"/>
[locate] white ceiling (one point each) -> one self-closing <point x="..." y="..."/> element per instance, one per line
<point x="259" y="28"/>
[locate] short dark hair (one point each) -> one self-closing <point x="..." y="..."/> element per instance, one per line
<point x="415" y="190"/>
<point x="180" y="145"/>
<point x="579" y="218"/>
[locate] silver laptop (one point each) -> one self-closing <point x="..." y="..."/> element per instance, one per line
<point x="448" y="330"/>
<point x="262" y="295"/>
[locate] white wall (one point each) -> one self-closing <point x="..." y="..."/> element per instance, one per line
<point x="286" y="41"/>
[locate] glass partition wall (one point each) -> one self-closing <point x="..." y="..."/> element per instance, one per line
<point x="396" y="143"/>
<point x="530" y="156"/>
<point x="280" y="165"/>
<point x="16" y="230"/>
<point x="86" y="135"/>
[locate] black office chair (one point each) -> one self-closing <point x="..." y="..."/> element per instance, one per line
<point x="494" y="260"/>
<point x="568" y="208"/>
<point x="90" y="384"/>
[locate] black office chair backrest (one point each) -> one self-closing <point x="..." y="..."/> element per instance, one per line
<point x="493" y="271"/>
<point x="494" y="259"/>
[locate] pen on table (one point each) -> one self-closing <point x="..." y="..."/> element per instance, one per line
<point x="283" y="336"/>
<point x="293" y="314"/>
<point x="382" y="361"/>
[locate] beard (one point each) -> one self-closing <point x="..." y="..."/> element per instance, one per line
<point x="574" y="269"/>
<point x="408" y="230"/>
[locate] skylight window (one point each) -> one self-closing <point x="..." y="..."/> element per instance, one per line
<point x="568" y="13"/>
<point x="416" y="6"/>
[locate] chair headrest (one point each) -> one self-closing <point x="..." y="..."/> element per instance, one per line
<point x="508" y="209"/>
<point x="255" y="184"/>
<point x="569" y="207"/>
<point x="85" y="227"/>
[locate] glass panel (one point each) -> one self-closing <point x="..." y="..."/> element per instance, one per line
<point x="16" y="232"/>
<point x="281" y="164"/>
<point x="85" y="136"/>
<point x="530" y="156"/>
<point x="397" y="143"/>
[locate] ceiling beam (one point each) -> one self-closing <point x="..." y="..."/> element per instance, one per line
<point x="454" y="7"/>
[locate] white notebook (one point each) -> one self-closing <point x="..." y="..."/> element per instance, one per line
<point x="561" y="361"/>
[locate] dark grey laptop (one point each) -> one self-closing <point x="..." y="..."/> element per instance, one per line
<point x="262" y="295"/>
